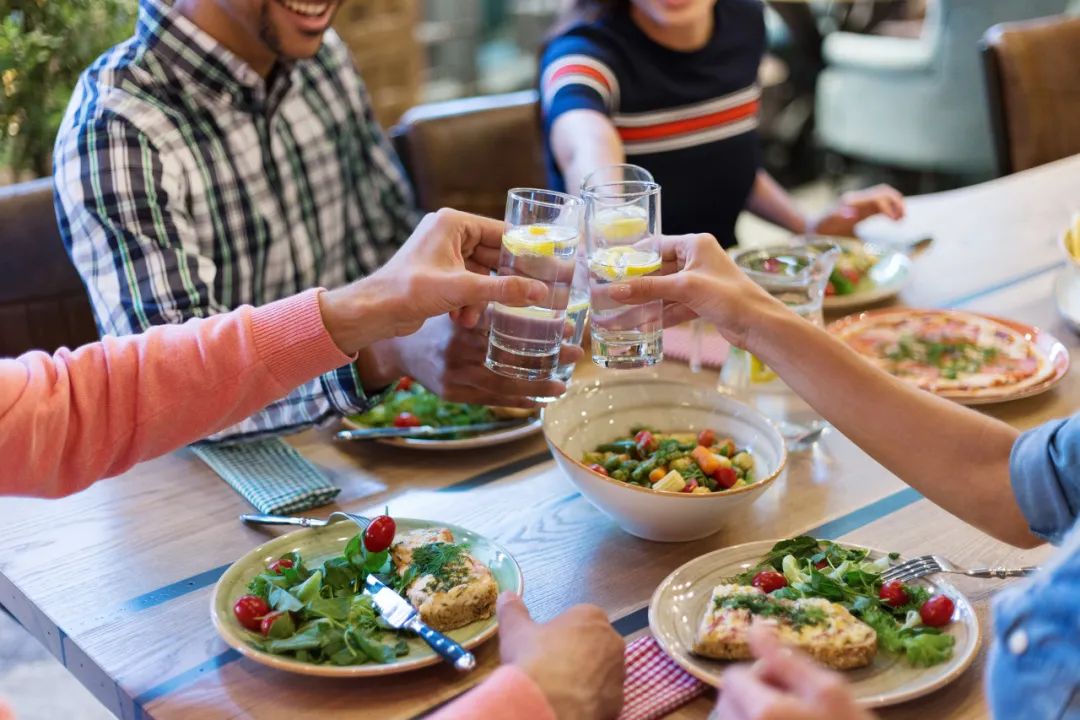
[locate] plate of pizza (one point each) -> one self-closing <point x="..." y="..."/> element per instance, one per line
<point x="971" y="358"/>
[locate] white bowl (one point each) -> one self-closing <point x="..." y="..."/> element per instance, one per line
<point x="598" y="411"/>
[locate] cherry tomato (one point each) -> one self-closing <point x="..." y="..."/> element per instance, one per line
<point x="404" y="383"/>
<point x="380" y="533"/>
<point x="249" y="611"/>
<point x="645" y="441"/>
<point x="830" y="289"/>
<point x="771" y="265"/>
<point x="406" y="419"/>
<point x="725" y="477"/>
<point x="706" y="437"/>
<point x="821" y="564"/>
<point x="937" y="611"/>
<point x="769" y="580"/>
<point x="690" y="486"/>
<point x="278" y="566"/>
<point x="599" y="469"/>
<point x="269" y="620"/>
<point x="893" y="593"/>
<point x="852" y="274"/>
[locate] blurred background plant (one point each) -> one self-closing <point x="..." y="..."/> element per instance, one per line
<point x="44" y="45"/>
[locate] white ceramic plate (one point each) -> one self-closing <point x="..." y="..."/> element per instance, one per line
<point x="679" y="602"/>
<point x="1067" y="295"/>
<point x="316" y="545"/>
<point x="497" y="437"/>
<point x="889" y="275"/>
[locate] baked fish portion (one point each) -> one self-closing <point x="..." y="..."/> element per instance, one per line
<point x="451" y="588"/>
<point x="824" y="630"/>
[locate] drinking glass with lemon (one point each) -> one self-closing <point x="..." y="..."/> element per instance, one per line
<point x="542" y="234"/>
<point x="622" y="233"/>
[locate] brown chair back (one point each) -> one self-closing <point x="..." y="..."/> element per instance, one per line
<point x="1034" y="88"/>
<point x="43" y="303"/>
<point x="466" y="154"/>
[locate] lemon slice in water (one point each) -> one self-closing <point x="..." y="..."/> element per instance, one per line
<point x="760" y="372"/>
<point x="543" y="240"/>
<point x="619" y="263"/>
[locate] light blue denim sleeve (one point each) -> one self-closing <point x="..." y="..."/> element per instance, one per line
<point x="1034" y="665"/>
<point x="1045" y="470"/>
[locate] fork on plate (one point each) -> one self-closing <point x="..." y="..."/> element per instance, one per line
<point x="933" y="564"/>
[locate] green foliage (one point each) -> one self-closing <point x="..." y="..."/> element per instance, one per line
<point x="44" y="46"/>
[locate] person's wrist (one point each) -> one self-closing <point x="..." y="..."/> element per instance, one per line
<point x="764" y="321"/>
<point x="353" y="316"/>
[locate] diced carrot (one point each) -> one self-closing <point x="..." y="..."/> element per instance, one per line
<point x="706" y="460"/>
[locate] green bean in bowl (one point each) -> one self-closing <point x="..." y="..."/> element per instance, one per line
<point x="697" y="463"/>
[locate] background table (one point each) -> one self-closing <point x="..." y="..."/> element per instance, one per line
<point x="116" y="581"/>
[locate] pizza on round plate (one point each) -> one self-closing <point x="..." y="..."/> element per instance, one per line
<point x="950" y="353"/>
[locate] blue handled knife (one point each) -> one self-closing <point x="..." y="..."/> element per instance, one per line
<point x="398" y="613"/>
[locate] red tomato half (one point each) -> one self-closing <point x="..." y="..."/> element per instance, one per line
<point x="725" y="477"/>
<point x="937" y="611"/>
<point x="380" y="533"/>
<point x="706" y="437"/>
<point x="769" y="580"/>
<point x="646" y="442"/>
<point x="893" y="593"/>
<point x="249" y="611"/>
<point x="278" y="566"/>
<point x="406" y="419"/>
<point x="404" y="383"/>
<point x="599" y="469"/>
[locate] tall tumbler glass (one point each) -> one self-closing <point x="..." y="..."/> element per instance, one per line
<point x="577" y="315"/>
<point x="622" y="233"/>
<point x="608" y="174"/>
<point x="543" y="230"/>
<point x="795" y="275"/>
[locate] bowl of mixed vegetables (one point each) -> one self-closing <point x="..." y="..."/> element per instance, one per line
<point x="665" y="460"/>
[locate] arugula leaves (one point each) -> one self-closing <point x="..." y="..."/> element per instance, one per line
<point x="819" y="568"/>
<point x="328" y="619"/>
<point x="427" y="407"/>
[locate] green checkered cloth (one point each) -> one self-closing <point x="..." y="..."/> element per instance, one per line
<point x="270" y="475"/>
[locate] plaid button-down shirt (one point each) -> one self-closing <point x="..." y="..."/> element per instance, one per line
<point x="188" y="185"/>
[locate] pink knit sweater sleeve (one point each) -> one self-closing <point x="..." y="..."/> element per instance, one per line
<point x="509" y="694"/>
<point x="69" y="419"/>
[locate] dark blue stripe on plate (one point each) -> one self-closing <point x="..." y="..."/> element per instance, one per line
<point x="185" y="678"/>
<point x="209" y="577"/>
<point x="965" y="299"/>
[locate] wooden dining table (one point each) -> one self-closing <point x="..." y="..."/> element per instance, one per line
<point x="116" y="581"/>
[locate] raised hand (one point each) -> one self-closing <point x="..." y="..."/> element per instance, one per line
<point x="859" y="205"/>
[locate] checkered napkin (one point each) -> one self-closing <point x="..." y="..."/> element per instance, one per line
<point x="654" y="685"/>
<point x="270" y="475"/>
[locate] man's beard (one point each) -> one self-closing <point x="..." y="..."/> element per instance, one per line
<point x="267" y="33"/>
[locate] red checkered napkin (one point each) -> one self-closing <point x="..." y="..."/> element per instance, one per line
<point x="679" y="343"/>
<point x="654" y="685"/>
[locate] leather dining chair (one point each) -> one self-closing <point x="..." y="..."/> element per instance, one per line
<point x="1034" y="90"/>
<point x="43" y="303"/>
<point x="467" y="153"/>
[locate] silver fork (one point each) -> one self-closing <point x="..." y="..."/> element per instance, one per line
<point x="933" y="564"/>
<point x="257" y="519"/>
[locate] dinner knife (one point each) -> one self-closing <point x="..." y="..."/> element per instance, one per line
<point x="398" y="613"/>
<point x="425" y="431"/>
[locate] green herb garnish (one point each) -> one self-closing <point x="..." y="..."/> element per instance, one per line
<point x="443" y="561"/>
<point x="766" y="606"/>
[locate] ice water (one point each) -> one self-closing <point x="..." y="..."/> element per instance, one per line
<point x="525" y="341"/>
<point x="624" y="336"/>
